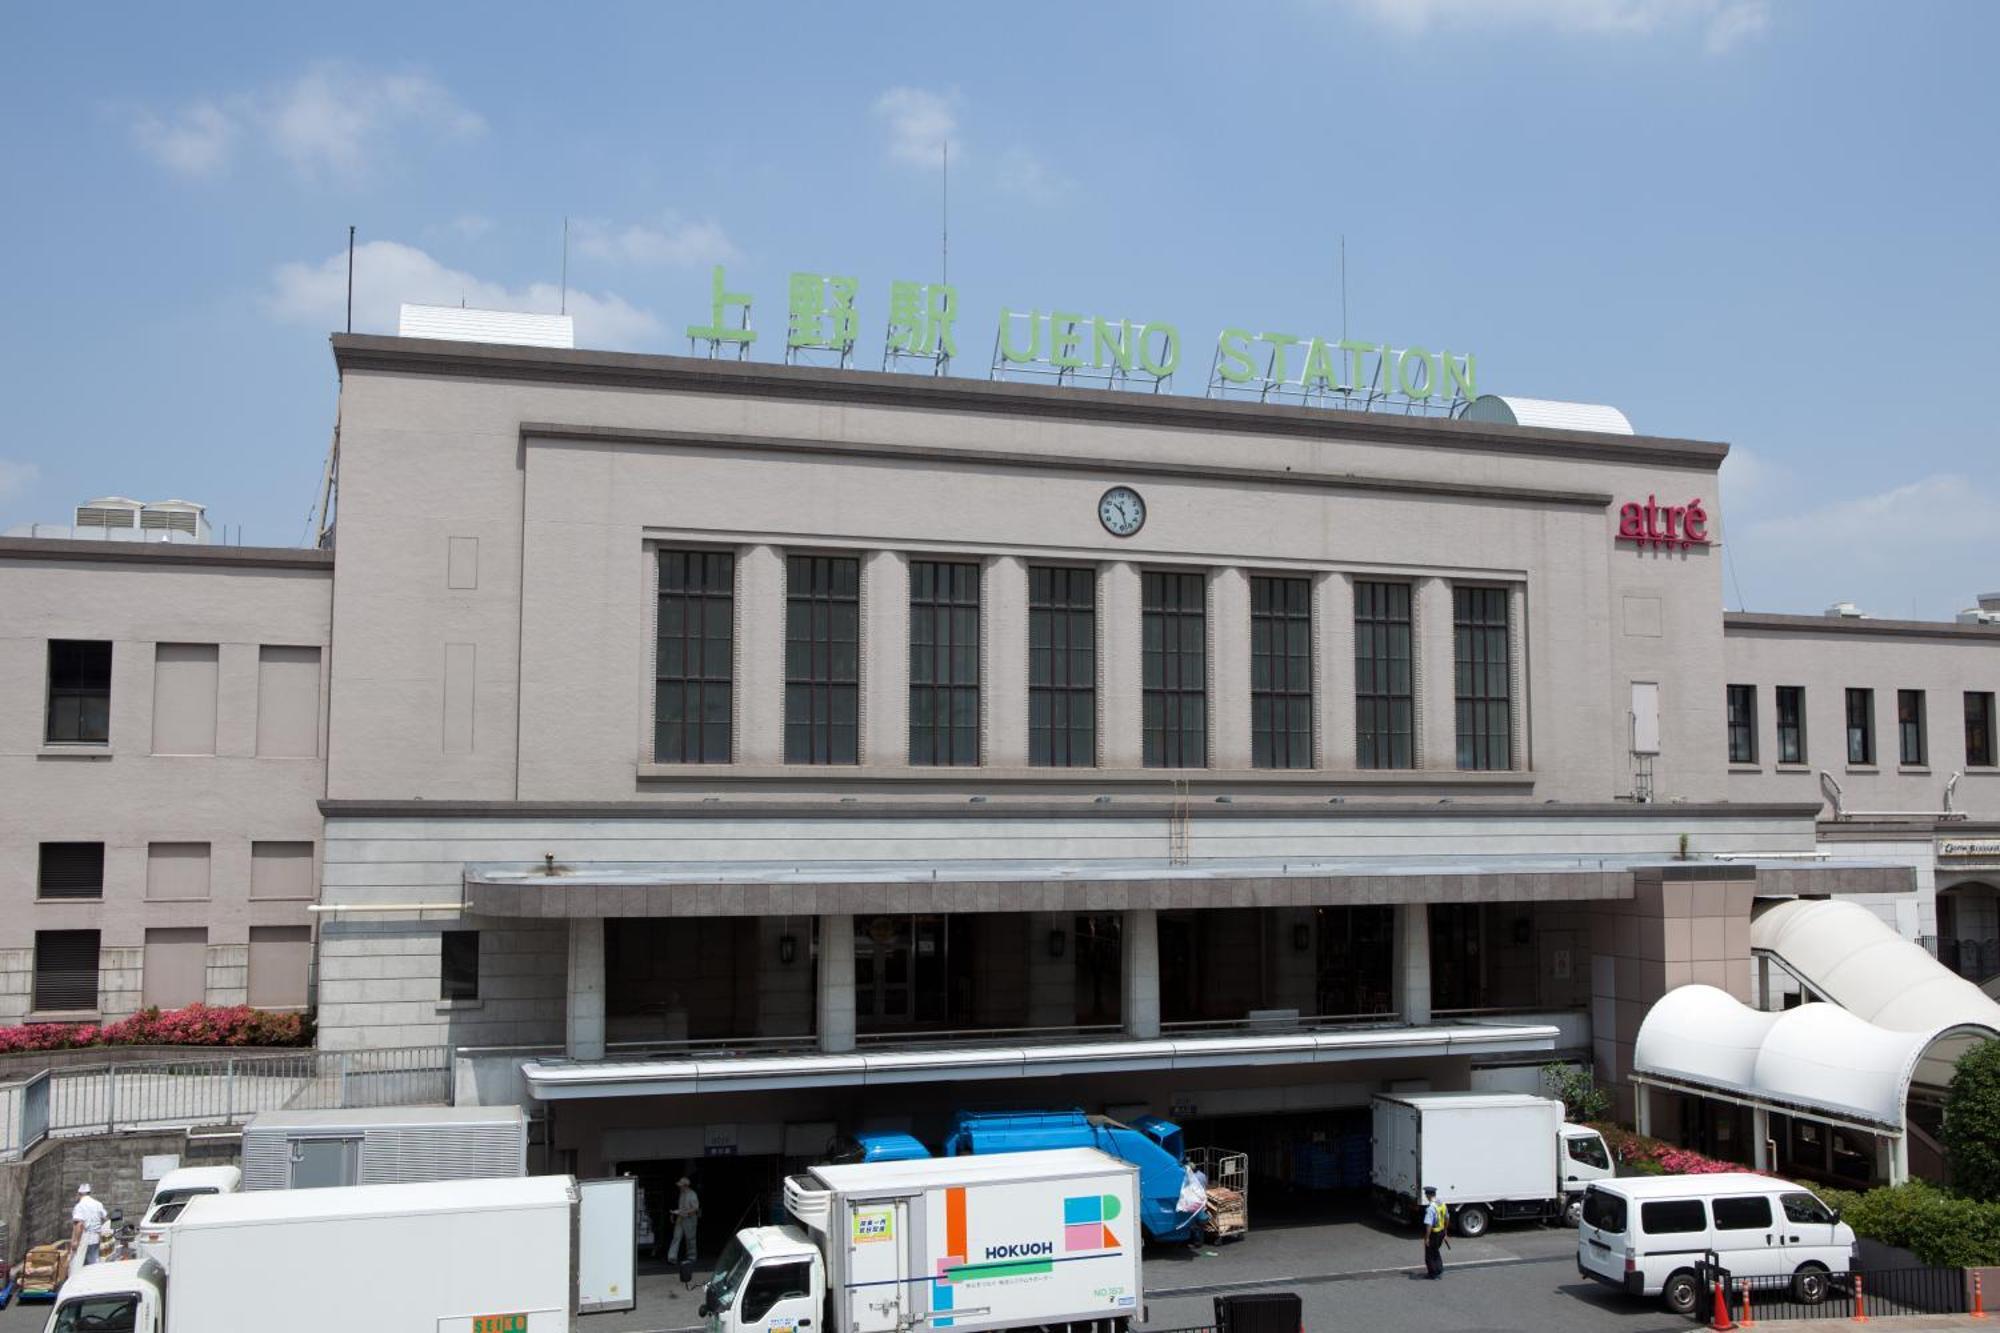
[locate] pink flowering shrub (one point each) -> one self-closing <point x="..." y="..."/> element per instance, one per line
<point x="196" y="1025"/>
<point x="1654" y="1157"/>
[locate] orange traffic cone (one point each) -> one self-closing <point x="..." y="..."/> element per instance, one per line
<point x="1744" y="1320"/>
<point x="1860" y="1302"/>
<point x="1721" y="1307"/>
<point x="1978" y="1298"/>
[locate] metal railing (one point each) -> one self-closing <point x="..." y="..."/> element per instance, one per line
<point x="216" y="1089"/>
<point x="1814" y="1293"/>
<point x="1975" y="960"/>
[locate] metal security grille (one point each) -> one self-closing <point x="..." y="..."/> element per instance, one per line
<point x="695" y="662"/>
<point x="1979" y="728"/>
<point x="65" y="970"/>
<point x="1861" y="726"/>
<point x="1175" y="670"/>
<point x="944" y="663"/>
<point x="1281" y="690"/>
<point x="1384" y="691"/>
<point x="79" y="691"/>
<point x="822" y="659"/>
<point x="459" y="979"/>
<point x="1062" y="667"/>
<point x="1910" y="727"/>
<point x="1791" y="702"/>
<point x="1742" y="724"/>
<point x="71" y="870"/>
<point x="1485" y="709"/>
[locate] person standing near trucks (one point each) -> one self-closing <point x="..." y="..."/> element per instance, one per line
<point x="1436" y="1218"/>
<point x="686" y="1212"/>
<point x="86" y="1228"/>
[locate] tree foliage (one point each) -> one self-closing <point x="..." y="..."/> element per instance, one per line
<point x="1972" y="1123"/>
<point x="1583" y="1101"/>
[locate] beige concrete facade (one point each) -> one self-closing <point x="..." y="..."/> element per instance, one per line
<point x="203" y="828"/>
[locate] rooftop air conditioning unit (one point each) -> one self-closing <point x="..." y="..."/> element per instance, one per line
<point x="109" y="512"/>
<point x="167" y="519"/>
<point x="1844" y="611"/>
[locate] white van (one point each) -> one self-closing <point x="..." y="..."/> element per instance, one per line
<point x="1645" y="1234"/>
<point x="171" y="1195"/>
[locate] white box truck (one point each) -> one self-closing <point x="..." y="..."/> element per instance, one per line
<point x="472" y="1256"/>
<point x="1492" y="1155"/>
<point x="1008" y="1241"/>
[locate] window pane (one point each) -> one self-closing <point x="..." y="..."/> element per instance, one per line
<point x="79" y="702"/>
<point x="822" y="659"/>
<point x="1174" y="656"/>
<point x="65" y="970"/>
<point x="1383" y="697"/>
<point x="1062" y="683"/>
<point x="1280" y="673"/>
<point x="1482" y="649"/>
<point x="944" y="662"/>
<point x="695" y="663"/>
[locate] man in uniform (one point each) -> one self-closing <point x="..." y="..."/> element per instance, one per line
<point x="686" y="1212"/>
<point x="1436" y="1218"/>
<point x="86" y="1228"/>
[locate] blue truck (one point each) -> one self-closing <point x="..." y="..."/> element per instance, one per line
<point x="1151" y="1143"/>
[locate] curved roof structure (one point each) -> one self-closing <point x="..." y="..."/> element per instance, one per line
<point x="1817" y="1057"/>
<point x="1548" y="414"/>
<point x="1858" y="961"/>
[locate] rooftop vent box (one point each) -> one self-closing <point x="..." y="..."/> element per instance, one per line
<point x="110" y="511"/>
<point x="460" y="324"/>
<point x="1547" y="414"/>
<point x="1844" y="611"/>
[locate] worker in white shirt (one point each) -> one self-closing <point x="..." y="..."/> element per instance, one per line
<point x="86" y="1229"/>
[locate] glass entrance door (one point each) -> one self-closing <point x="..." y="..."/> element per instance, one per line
<point x="883" y="995"/>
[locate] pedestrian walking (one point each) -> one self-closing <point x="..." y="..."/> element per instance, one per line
<point x="1436" y="1218"/>
<point x="686" y="1212"/>
<point x="87" y="1225"/>
<point x="1194" y="1202"/>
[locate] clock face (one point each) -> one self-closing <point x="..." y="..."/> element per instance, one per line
<point x="1121" y="511"/>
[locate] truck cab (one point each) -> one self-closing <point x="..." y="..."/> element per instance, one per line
<point x="767" y="1280"/>
<point x="171" y="1196"/>
<point x="123" y="1297"/>
<point x="874" y="1146"/>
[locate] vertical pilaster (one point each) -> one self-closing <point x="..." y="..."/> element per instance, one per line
<point x="1760" y="1139"/>
<point x="1413" y="963"/>
<point x="1141" y="972"/>
<point x="1642" y="1109"/>
<point x="1003" y="672"/>
<point x="835" y="986"/>
<point x="1119" y="666"/>
<point x="1436" y="675"/>
<point x="885" y="659"/>
<point x="760" y="655"/>
<point x="1229" y="683"/>
<point x="1051" y="977"/>
<point x="583" y="1032"/>
<point x="1517" y="677"/>
<point x="1333" y="670"/>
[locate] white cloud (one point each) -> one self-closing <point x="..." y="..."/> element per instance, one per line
<point x="469" y="226"/>
<point x="196" y="141"/>
<point x="388" y="273"/>
<point x="920" y="123"/>
<point x="334" y="121"/>
<point x="16" y="478"/>
<point x="1023" y="172"/>
<point x="1724" y="24"/>
<point x="1914" y="548"/>
<point x="673" y="243"/>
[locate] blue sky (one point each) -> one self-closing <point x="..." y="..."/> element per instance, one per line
<point x="1769" y="222"/>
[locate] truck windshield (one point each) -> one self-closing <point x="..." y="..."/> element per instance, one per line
<point x="731" y="1267"/>
<point x="113" y="1312"/>
<point x="167" y="1204"/>
<point x="844" y="1151"/>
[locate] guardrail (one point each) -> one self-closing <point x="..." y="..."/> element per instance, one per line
<point x="216" y="1089"/>
<point x="1814" y="1293"/>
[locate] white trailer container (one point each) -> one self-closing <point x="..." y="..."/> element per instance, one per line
<point x="1009" y="1241"/>
<point x="473" y="1256"/>
<point x="1491" y="1155"/>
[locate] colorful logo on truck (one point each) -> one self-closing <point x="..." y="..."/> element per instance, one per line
<point x="1084" y="1222"/>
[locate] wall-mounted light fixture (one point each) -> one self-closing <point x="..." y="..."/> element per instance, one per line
<point x="1302" y="936"/>
<point x="1058" y="941"/>
<point x="788" y="949"/>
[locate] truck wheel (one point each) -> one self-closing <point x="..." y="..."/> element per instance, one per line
<point x="1572" y="1213"/>
<point x="1473" y="1221"/>
<point x="1809" y="1284"/>
<point x="1679" y="1293"/>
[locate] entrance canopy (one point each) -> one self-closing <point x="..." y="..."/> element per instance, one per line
<point x="1817" y="1059"/>
<point x="559" y="1080"/>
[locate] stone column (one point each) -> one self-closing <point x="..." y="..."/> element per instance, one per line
<point x="1004" y="663"/>
<point x="1642" y="1109"/>
<point x="1413" y="963"/>
<point x="1436" y="675"/>
<point x="1140" y="972"/>
<point x="1229" y="654"/>
<point x="1333" y="670"/>
<point x="1051" y="980"/>
<point x="760" y="655"/>
<point x="835" y="1002"/>
<point x="1293" y="972"/>
<point x="1119" y="666"/>
<point x="583" y="1035"/>
<point x="885" y="659"/>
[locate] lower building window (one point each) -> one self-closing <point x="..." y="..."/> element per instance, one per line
<point x="71" y="870"/>
<point x="65" y="971"/>
<point x="1979" y="728"/>
<point x="1742" y="724"/>
<point x="1484" y="685"/>
<point x="79" y="691"/>
<point x="1861" y="726"/>
<point x="459" y="973"/>
<point x="176" y="967"/>
<point x="1791" y="701"/>
<point x="280" y="966"/>
<point x="1912" y="747"/>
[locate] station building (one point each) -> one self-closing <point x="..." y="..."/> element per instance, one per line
<point x="718" y="756"/>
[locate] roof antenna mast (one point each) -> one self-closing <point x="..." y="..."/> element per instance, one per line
<point x="350" y="277"/>
<point x="1343" y="286"/>
<point x="944" y="215"/>
<point x="563" y="309"/>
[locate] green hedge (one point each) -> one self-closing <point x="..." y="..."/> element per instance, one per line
<point x="1936" y="1226"/>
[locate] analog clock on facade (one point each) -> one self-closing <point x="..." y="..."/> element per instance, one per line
<point x="1121" y="511"/>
